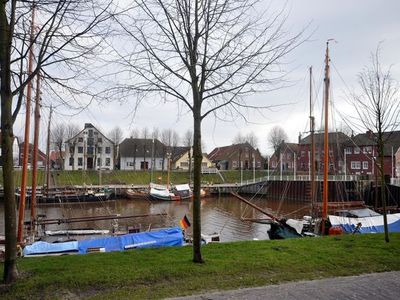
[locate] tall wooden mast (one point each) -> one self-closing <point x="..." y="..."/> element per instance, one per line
<point x="35" y="154"/>
<point x="21" y="212"/>
<point x="48" y="153"/>
<point x="312" y="156"/>
<point x="326" y="141"/>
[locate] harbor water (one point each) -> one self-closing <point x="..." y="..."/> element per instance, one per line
<point x="221" y="215"/>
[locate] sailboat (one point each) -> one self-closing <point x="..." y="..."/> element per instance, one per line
<point x="168" y="193"/>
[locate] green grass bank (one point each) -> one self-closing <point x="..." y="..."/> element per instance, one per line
<point x="65" y="178"/>
<point x="168" y="272"/>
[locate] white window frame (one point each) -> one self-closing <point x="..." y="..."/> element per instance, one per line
<point x="365" y="165"/>
<point x="355" y="165"/>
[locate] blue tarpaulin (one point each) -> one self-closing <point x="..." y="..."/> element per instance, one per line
<point x="50" y="248"/>
<point x="161" y="238"/>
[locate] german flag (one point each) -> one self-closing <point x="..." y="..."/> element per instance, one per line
<point x="184" y="223"/>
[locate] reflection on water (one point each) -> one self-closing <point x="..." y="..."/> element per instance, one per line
<point x="221" y="215"/>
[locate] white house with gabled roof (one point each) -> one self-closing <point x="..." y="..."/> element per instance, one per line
<point x="89" y="150"/>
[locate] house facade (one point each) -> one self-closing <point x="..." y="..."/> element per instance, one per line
<point x="336" y="146"/>
<point x="89" y="150"/>
<point x="41" y="159"/>
<point x="362" y="153"/>
<point x="238" y="156"/>
<point x="183" y="157"/>
<point x="142" y="154"/>
<point x="285" y="157"/>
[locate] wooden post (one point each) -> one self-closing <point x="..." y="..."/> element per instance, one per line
<point x="21" y="214"/>
<point x="35" y="154"/>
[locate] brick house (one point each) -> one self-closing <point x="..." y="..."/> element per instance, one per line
<point x="236" y="156"/>
<point x="336" y="145"/>
<point x="41" y="162"/>
<point x="361" y="152"/>
<point x="286" y="154"/>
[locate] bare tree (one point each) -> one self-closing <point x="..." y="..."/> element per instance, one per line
<point x="116" y="135"/>
<point x="65" y="38"/>
<point x="134" y="133"/>
<point x="378" y="109"/>
<point x="188" y="142"/>
<point x="57" y="136"/>
<point x="276" y="136"/>
<point x="71" y="131"/>
<point x="250" y="138"/>
<point x="208" y="55"/>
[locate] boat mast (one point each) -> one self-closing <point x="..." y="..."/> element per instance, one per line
<point x="48" y="152"/>
<point x="326" y="142"/>
<point x="312" y="158"/>
<point x="35" y="154"/>
<point x="21" y="211"/>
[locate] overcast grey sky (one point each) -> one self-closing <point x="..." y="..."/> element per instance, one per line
<point x="357" y="26"/>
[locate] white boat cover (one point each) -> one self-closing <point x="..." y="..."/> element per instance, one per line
<point x="372" y="224"/>
<point x="182" y="187"/>
<point x="162" y="193"/>
<point x="296" y="225"/>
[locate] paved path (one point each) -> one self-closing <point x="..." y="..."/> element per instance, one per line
<point x="364" y="287"/>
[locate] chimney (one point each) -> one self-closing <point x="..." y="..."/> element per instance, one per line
<point x="88" y="125"/>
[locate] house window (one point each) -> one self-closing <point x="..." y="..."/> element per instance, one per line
<point x="99" y="149"/>
<point x="184" y="164"/>
<point x="80" y="140"/>
<point x="71" y="149"/>
<point x="356" y="150"/>
<point x="99" y="140"/>
<point x="90" y="132"/>
<point x="80" y="149"/>
<point x="234" y="164"/>
<point x="99" y="161"/>
<point x="303" y="153"/>
<point x="108" y="150"/>
<point x="258" y="164"/>
<point x="130" y="164"/>
<point x="289" y="156"/>
<point x="80" y="161"/>
<point x="347" y="151"/>
<point x="367" y="150"/>
<point x="355" y="165"/>
<point x="204" y="164"/>
<point x="365" y="165"/>
<point x="71" y="161"/>
<point x="90" y="150"/>
<point x="108" y="161"/>
<point x="330" y="153"/>
<point x="144" y="165"/>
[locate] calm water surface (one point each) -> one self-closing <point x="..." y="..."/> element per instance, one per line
<point x="219" y="215"/>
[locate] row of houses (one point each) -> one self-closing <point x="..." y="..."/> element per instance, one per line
<point x="355" y="155"/>
<point x="92" y="150"/>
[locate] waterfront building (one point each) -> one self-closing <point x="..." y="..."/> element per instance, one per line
<point x="142" y="154"/>
<point x="89" y="150"/>
<point x="336" y="146"/>
<point x="41" y="159"/>
<point x="237" y="156"/>
<point x="362" y="153"/>
<point x="182" y="156"/>
<point x="285" y="156"/>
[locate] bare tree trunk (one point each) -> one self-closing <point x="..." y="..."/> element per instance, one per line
<point x="383" y="185"/>
<point x="7" y="136"/>
<point x="198" y="157"/>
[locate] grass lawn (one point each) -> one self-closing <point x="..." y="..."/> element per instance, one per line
<point x="168" y="272"/>
<point x="63" y="178"/>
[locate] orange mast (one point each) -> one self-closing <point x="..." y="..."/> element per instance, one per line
<point x="326" y="142"/>
<point x="21" y="213"/>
